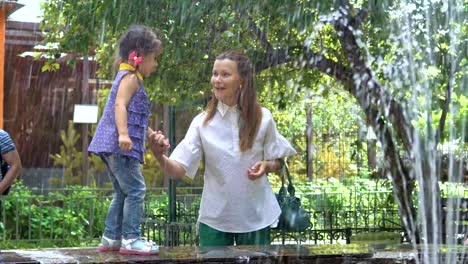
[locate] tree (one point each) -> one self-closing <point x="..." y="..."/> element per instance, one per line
<point x="400" y="67"/>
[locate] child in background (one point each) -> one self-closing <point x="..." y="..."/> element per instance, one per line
<point x="10" y="162"/>
<point x="120" y="139"/>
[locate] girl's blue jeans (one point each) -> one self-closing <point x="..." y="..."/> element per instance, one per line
<point x="125" y="211"/>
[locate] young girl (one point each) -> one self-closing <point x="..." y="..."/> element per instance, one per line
<point x="120" y="138"/>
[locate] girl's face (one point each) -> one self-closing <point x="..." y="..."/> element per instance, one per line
<point x="226" y="81"/>
<point x="148" y="65"/>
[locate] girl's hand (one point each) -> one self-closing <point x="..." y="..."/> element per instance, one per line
<point x="257" y="170"/>
<point x="125" y="143"/>
<point x="159" y="143"/>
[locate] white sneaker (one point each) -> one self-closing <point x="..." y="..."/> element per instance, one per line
<point x="138" y="246"/>
<point x="108" y="244"/>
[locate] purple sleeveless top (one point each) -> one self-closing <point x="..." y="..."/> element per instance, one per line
<point x="106" y="137"/>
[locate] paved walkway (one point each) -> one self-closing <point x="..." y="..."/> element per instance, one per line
<point x="328" y="254"/>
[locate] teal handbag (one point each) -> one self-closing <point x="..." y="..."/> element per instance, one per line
<point x="293" y="218"/>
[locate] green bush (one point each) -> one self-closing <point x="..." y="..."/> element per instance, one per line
<point x="68" y="217"/>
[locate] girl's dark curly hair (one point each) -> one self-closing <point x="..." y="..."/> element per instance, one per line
<point x="141" y="39"/>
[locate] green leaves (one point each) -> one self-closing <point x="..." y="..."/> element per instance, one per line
<point x="69" y="158"/>
<point x="408" y="53"/>
<point x="193" y="34"/>
<point x="61" y="218"/>
<point x="50" y="65"/>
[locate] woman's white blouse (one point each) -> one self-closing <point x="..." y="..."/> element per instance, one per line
<point x="231" y="202"/>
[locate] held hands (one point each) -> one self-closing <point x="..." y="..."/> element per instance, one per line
<point x="159" y="143"/>
<point x="125" y="143"/>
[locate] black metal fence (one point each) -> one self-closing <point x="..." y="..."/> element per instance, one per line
<point x="76" y="217"/>
<point x="71" y="218"/>
<point x="331" y="223"/>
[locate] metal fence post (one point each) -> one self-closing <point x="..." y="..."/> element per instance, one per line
<point x="348" y="235"/>
<point x="172" y="234"/>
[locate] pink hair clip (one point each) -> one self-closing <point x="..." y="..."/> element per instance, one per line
<point x="133" y="57"/>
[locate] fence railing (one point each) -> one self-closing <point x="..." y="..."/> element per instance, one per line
<point x="76" y="218"/>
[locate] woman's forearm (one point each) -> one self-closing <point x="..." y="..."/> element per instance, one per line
<point x="273" y="165"/>
<point x="149" y="131"/>
<point x="171" y="167"/>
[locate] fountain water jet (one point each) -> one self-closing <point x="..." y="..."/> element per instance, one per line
<point x="400" y="110"/>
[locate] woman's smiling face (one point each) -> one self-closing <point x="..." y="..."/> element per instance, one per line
<point x="226" y="81"/>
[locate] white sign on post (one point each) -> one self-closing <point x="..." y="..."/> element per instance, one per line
<point x="86" y="114"/>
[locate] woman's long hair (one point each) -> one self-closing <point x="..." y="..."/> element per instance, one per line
<point x="250" y="110"/>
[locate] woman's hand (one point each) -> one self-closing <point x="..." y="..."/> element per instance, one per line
<point x="262" y="167"/>
<point x="159" y="143"/>
<point x="125" y="143"/>
<point x="257" y="170"/>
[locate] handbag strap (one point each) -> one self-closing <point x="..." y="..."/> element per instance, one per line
<point x="285" y="171"/>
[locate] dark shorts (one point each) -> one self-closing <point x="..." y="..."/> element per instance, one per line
<point x="212" y="237"/>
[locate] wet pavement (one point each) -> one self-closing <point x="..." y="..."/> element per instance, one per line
<point x="329" y="254"/>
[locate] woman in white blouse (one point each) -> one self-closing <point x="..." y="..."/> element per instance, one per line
<point x="240" y="144"/>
